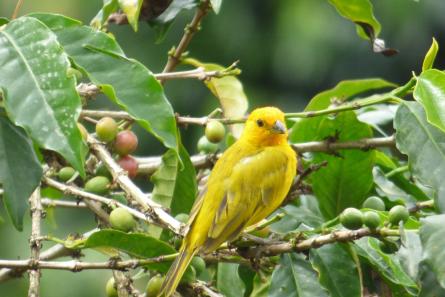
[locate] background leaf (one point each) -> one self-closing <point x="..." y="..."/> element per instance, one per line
<point x="430" y="92"/>
<point x="337" y="270"/>
<point x="39" y="96"/>
<point x="432" y="235"/>
<point x="424" y="145"/>
<point x="20" y="170"/>
<point x="294" y="276"/>
<point x="228" y="280"/>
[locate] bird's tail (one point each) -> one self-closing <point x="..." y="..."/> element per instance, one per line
<point x="176" y="271"/>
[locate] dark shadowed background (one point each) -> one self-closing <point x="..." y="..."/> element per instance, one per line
<point x="288" y="50"/>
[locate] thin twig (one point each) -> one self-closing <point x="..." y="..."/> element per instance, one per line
<point x="72" y="190"/>
<point x="189" y="32"/>
<point x="153" y="209"/>
<point x="17" y="9"/>
<point x="47" y="202"/>
<point x="34" y="242"/>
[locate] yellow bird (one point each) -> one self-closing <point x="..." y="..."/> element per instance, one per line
<point x="249" y="181"/>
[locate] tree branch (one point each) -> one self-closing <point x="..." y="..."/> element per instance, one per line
<point x="153" y="209"/>
<point x="34" y="242"/>
<point x="189" y="32"/>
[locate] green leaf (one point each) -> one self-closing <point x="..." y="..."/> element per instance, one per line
<point x="430" y="92"/>
<point x="55" y="21"/>
<point x="135" y="244"/>
<point x="108" y="7"/>
<point x="260" y="287"/>
<point x="387" y="165"/>
<point x="229" y="91"/>
<point x="358" y="11"/>
<point x="432" y="235"/>
<point x="294" y="276"/>
<point x="216" y="5"/>
<point x="132" y="9"/>
<point x="347" y="178"/>
<point x="410" y="253"/>
<point x="228" y="280"/>
<point x="3" y="21"/>
<point x="430" y="287"/>
<point x="125" y="81"/>
<point x="307" y="213"/>
<point x="20" y="170"/>
<point x="175" y="186"/>
<point x="423" y="143"/>
<point x="39" y="96"/>
<point x="387" y="266"/>
<point x="430" y="56"/>
<point x="345" y="91"/>
<point x="337" y="270"/>
<point x="349" y="174"/>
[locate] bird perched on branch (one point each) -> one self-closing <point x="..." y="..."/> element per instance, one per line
<point x="249" y="181"/>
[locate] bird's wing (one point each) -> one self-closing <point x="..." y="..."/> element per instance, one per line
<point x="256" y="187"/>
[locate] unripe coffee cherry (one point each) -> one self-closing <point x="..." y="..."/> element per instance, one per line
<point x="97" y="185"/>
<point x="106" y="129"/>
<point x="122" y="220"/>
<point x="398" y="213"/>
<point x="110" y="288"/>
<point x="215" y="131"/>
<point x="154" y="286"/>
<point x="206" y="147"/>
<point x="351" y="218"/>
<point x="374" y="202"/>
<point x="66" y="173"/>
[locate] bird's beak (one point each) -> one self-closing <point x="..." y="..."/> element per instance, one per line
<point x="278" y="128"/>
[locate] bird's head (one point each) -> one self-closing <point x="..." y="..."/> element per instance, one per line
<point x="265" y="127"/>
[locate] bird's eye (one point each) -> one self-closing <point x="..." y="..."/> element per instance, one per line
<point x="260" y="123"/>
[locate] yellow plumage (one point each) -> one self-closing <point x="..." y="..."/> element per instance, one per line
<point x="248" y="183"/>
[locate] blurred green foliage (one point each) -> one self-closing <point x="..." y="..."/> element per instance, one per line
<point x="288" y="50"/>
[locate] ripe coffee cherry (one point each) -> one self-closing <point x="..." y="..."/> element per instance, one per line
<point x="398" y="213"/>
<point x="125" y="143"/>
<point x="122" y="220"/>
<point x="206" y="147"/>
<point x="66" y="173"/>
<point x="374" y="202"/>
<point x="215" y="131"/>
<point x="110" y="288"/>
<point x="351" y="218"/>
<point x="106" y="129"/>
<point x="97" y="185"/>
<point x="129" y="164"/>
